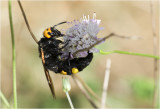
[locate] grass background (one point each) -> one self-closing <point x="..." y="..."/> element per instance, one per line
<point x="131" y="79"/>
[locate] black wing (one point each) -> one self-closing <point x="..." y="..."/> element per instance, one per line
<point x="49" y="79"/>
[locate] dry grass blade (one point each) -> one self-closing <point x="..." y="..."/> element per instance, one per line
<point x="156" y="76"/>
<point x="87" y="88"/>
<point x="105" y="84"/>
<point x="84" y="92"/>
<point x="26" y="21"/>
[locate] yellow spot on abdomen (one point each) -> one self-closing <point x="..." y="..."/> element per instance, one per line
<point x="75" y="70"/>
<point x="45" y="33"/>
<point x="63" y="72"/>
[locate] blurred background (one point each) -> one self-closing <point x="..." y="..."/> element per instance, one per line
<point x="131" y="78"/>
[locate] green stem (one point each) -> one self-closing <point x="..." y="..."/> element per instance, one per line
<point x="69" y="100"/>
<point x="129" y="53"/>
<point x="4" y="99"/>
<point x="13" y="55"/>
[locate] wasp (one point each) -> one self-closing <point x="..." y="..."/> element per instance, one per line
<point x="51" y="49"/>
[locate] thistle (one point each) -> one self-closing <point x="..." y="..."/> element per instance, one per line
<point x="82" y="34"/>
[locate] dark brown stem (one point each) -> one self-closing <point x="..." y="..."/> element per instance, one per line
<point x="26" y="21"/>
<point x="86" y="49"/>
<point x="103" y="39"/>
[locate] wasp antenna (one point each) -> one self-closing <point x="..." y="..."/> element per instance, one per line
<point x="59" y="24"/>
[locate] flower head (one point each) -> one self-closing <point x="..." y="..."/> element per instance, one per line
<point x="82" y="34"/>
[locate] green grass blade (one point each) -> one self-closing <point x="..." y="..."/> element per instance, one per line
<point x="129" y="53"/>
<point x="4" y="99"/>
<point x="13" y="55"/>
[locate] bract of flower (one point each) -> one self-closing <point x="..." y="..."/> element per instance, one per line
<point x="82" y="34"/>
<point x="66" y="84"/>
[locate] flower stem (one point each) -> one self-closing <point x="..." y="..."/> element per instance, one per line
<point x="129" y="53"/>
<point x="4" y="99"/>
<point x="13" y="55"/>
<point x="66" y="89"/>
<point x="69" y="100"/>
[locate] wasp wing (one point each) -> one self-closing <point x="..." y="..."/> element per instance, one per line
<point x="49" y="79"/>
